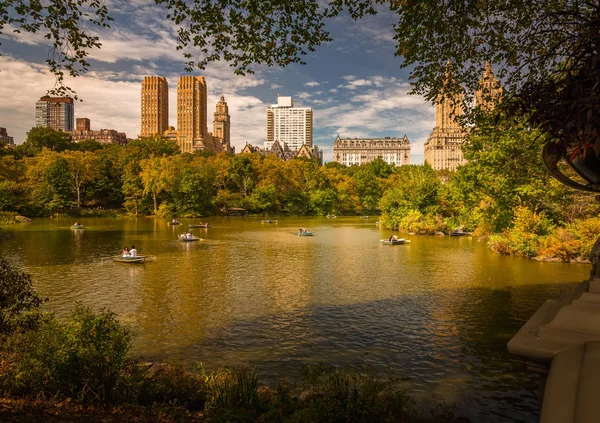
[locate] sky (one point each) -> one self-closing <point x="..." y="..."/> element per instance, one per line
<point x="354" y="84"/>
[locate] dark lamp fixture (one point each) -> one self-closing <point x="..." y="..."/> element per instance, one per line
<point x="584" y="159"/>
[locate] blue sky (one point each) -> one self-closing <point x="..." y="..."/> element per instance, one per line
<point x="354" y="84"/>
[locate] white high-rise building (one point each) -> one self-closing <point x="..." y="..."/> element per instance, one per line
<point x="289" y="125"/>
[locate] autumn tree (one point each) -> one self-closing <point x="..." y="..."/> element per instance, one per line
<point x="156" y="177"/>
<point x="83" y="169"/>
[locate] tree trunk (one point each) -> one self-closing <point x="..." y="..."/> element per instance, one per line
<point x="78" y="197"/>
<point x="155" y="207"/>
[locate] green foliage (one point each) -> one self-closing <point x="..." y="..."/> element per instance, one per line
<point x="353" y="394"/>
<point x="410" y="189"/>
<point x="233" y="393"/>
<point x="524" y="238"/>
<point x="40" y="138"/>
<point x="80" y="359"/>
<point x="414" y="221"/>
<point x="19" y="303"/>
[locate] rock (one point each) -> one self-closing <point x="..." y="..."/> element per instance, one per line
<point x="22" y="219"/>
<point x="440" y="233"/>
<point x="305" y="395"/>
<point x="264" y="393"/>
<point x="153" y="368"/>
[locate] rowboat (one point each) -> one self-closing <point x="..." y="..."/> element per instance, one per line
<point x="199" y="226"/>
<point x="269" y="221"/>
<point x="174" y="223"/>
<point x="331" y="216"/>
<point x="394" y="241"/>
<point x="127" y="259"/>
<point x="184" y="239"/>
<point x="77" y="227"/>
<point x="304" y="233"/>
<point x="459" y="232"/>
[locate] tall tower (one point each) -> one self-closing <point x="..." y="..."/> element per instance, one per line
<point x="443" y="148"/>
<point x="55" y="112"/>
<point x="155" y="106"/>
<point x="288" y="124"/>
<point x="191" y="113"/>
<point x="222" y="125"/>
<point x="489" y="91"/>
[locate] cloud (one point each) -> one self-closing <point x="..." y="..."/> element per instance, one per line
<point x="312" y="84"/>
<point x="114" y="103"/>
<point x="385" y="109"/>
<point x="275" y="86"/>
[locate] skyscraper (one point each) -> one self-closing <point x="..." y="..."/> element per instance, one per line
<point x="292" y="126"/>
<point x="155" y="106"/>
<point x="192" y="129"/>
<point x="55" y="112"/>
<point x="222" y="124"/>
<point x="489" y="91"/>
<point x="443" y="149"/>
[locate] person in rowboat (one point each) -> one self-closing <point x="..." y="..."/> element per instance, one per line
<point x="133" y="251"/>
<point x="125" y="252"/>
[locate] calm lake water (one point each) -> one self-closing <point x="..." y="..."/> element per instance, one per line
<point x="439" y="310"/>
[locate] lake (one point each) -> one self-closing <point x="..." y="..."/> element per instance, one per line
<point x="439" y="310"/>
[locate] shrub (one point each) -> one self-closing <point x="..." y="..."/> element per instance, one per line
<point x="523" y="239"/>
<point x="19" y="303"/>
<point x="353" y="394"/>
<point x="422" y="224"/>
<point x="561" y="245"/>
<point x="81" y="359"/>
<point x="233" y="393"/>
<point x="7" y="218"/>
<point x="169" y="384"/>
<point x="586" y="231"/>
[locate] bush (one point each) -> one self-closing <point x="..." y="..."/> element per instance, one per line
<point x="586" y="231"/>
<point x="7" y="218"/>
<point x="353" y="394"/>
<point x="422" y="224"/>
<point x="80" y="359"/>
<point x="524" y="238"/>
<point x="561" y="245"/>
<point x="19" y="303"/>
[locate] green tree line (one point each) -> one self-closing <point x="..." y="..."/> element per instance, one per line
<point x="502" y="192"/>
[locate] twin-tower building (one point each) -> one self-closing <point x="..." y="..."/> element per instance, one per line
<point x="192" y="132"/>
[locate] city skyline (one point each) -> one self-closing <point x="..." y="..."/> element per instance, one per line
<point x="354" y="84"/>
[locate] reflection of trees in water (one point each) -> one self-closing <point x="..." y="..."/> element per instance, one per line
<point x="454" y="344"/>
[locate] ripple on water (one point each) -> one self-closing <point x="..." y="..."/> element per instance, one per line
<point x="438" y="310"/>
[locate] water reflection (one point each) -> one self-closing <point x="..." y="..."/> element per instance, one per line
<point x="439" y="310"/>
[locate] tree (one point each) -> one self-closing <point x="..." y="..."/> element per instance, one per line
<point x="48" y="178"/>
<point x="83" y="168"/>
<point x="19" y="303"/>
<point x="155" y="176"/>
<point x="40" y="138"/>
<point x="545" y="51"/>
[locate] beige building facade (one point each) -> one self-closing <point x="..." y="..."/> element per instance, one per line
<point x="443" y="149"/>
<point x="192" y="129"/>
<point x="490" y="90"/>
<point x="155" y="106"/>
<point x="222" y="125"/>
<point x="355" y="151"/>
